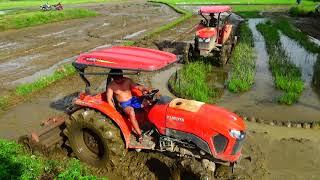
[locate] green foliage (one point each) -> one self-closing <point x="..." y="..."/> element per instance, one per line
<point x="239" y="1"/>
<point x="43" y="82"/>
<point x="290" y="31"/>
<point x="288" y="98"/>
<point x="28" y="19"/>
<point x="14" y="164"/>
<point x="287" y="76"/>
<point x="17" y="164"/>
<point x="190" y="82"/>
<point x="128" y="43"/>
<point x="76" y="171"/>
<point x="243" y="62"/>
<point x="249" y="14"/>
<point x="302" y="11"/>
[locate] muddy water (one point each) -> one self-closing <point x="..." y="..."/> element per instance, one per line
<point x="260" y="101"/>
<point x="27" y="51"/>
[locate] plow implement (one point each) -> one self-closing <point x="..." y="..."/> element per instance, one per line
<point x="48" y="138"/>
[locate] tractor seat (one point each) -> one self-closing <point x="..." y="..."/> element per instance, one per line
<point x="187" y="105"/>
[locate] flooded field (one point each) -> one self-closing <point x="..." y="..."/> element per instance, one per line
<point x="260" y="101"/>
<point x="25" y="52"/>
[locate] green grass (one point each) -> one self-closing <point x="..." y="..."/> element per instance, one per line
<point x="190" y="82"/>
<point x="290" y="31"/>
<point x="43" y="82"/>
<point x="28" y="19"/>
<point x="243" y="62"/>
<point x="249" y="14"/>
<point x="302" y="11"/>
<point x="10" y="4"/>
<point x="17" y="164"/>
<point x="305" y="2"/>
<point x="287" y="76"/>
<point x="23" y="90"/>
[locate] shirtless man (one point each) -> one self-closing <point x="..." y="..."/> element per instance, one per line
<point x="121" y="88"/>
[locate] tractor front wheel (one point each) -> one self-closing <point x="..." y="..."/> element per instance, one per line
<point x="94" y="138"/>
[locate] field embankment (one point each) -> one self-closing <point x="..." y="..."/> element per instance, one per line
<point x="27" y="19"/>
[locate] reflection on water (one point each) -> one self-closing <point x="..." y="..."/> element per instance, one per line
<point x="305" y="61"/>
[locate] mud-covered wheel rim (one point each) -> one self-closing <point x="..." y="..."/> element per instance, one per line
<point x="94" y="138"/>
<point x="93" y="142"/>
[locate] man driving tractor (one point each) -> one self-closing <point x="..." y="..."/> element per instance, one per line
<point x="121" y="87"/>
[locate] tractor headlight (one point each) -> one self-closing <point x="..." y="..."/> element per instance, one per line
<point x="237" y="134"/>
<point x="204" y="40"/>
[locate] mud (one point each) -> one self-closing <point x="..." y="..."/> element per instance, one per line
<point x="27" y="51"/>
<point x="309" y="25"/>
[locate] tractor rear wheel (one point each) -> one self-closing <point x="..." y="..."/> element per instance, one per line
<point x="94" y="138"/>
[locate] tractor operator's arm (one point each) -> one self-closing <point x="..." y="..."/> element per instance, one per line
<point x="140" y="87"/>
<point x="110" y="97"/>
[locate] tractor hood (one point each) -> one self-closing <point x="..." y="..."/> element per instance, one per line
<point x="201" y="119"/>
<point x="219" y="119"/>
<point x="206" y="32"/>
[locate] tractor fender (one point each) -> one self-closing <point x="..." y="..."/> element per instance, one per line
<point x="110" y="112"/>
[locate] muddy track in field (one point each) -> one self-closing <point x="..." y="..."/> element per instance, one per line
<point x="27" y="51"/>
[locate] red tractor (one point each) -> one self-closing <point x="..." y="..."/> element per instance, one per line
<point x="99" y="134"/>
<point x="214" y="35"/>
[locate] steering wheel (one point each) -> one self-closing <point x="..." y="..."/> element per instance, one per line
<point x="151" y="94"/>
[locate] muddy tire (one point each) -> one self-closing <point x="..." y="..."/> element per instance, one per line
<point x="94" y="138"/>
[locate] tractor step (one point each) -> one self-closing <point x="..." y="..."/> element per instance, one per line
<point x="147" y="142"/>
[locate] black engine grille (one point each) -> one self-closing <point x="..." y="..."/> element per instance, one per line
<point x="220" y="142"/>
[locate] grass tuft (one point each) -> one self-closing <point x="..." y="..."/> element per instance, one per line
<point x="28" y="19"/>
<point x="61" y="73"/>
<point x="190" y="82"/>
<point x="243" y="62"/>
<point x="17" y="164"/>
<point x="302" y="11"/>
<point x="287" y="76"/>
<point x="25" y="89"/>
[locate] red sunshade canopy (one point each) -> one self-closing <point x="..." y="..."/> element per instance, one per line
<point x="214" y="9"/>
<point x="130" y="58"/>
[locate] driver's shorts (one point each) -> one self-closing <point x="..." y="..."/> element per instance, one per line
<point x="133" y="102"/>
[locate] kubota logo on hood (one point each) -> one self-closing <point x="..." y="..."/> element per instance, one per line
<point x="174" y="118"/>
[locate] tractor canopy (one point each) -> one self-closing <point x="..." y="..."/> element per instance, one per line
<point x="127" y="58"/>
<point x="214" y="9"/>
